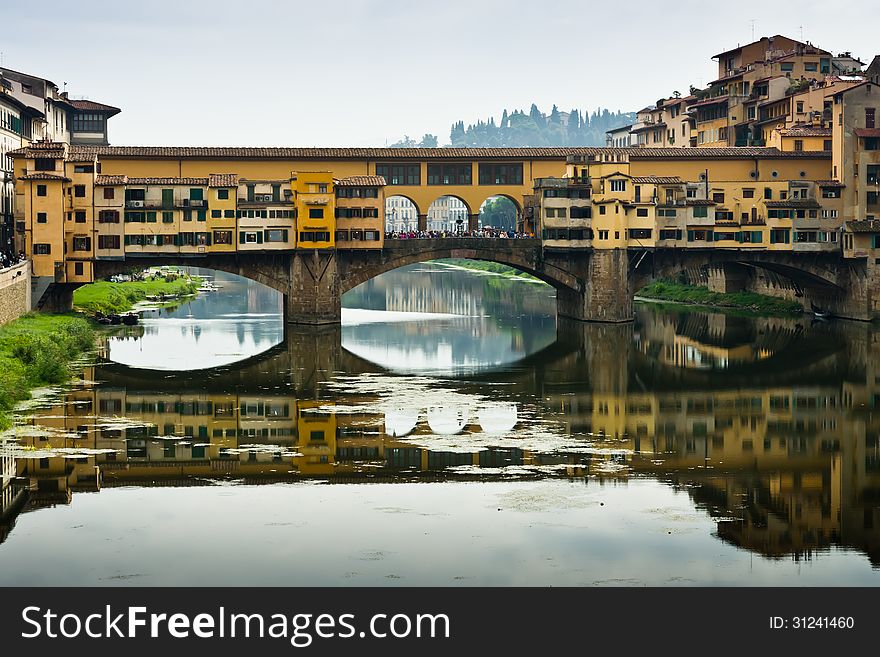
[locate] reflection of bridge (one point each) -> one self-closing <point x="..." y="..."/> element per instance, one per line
<point x="800" y="450"/>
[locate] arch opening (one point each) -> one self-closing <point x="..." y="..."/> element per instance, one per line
<point x="448" y="215"/>
<point x="499" y="213"/>
<point x="401" y="215"/>
<point x="230" y="318"/>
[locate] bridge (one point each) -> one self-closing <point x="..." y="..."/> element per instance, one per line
<point x="590" y="284"/>
<point x="309" y="222"/>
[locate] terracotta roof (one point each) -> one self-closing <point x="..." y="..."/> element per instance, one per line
<point x="830" y="183"/>
<point x="699" y="201"/>
<point x="811" y="203"/>
<point x="807" y="131"/>
<point x="864" y="226"/>
<point x="46" y="146"/>
<point x="111" y="180"/>
<point x="657" y="180"/>
<point x="92" y="106"/>
<point x="42" y="175"/>
<point x="710" y="101"/>
<point x="866" y="132"/>
<point x="212" y="152"/>
<point x="390" y="154"/>
<point x="361" y="181"/>
<point x="223" y="180"/>
<point x="650" y="126"/>
<point x="168" y="181"/>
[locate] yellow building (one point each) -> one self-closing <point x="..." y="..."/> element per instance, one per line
<point x="360" y="212"/>
<point x="314" y="196"/>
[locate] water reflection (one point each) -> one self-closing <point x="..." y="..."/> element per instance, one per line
<point x="786" y="468"/>
<point x="660" y="452"/>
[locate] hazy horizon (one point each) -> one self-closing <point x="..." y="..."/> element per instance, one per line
<point x="365" y="73"/>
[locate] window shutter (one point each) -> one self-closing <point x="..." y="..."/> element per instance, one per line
<point x="125" y="241"/>
<point x="690" y="236"/>
<point x="259" y="237"/>
<point x="241" y="237"/>
<point x="208" y="239"/>
<point x="284" y="234"/>
<point x="710" y="235"/>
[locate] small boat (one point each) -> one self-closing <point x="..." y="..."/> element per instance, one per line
<point x="819" y="312"/>
<point x="130" y="319"/>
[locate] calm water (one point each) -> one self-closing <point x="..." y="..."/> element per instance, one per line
<point x="452" y="432"/>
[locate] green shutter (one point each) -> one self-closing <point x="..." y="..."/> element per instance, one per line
<point x="739" y="237"/>
<point x="259" y="237"/>
<point x="690" y="236"/>
<point x="151" y="217"/>
<point x="757" y="236"/>
<point x="284" y="234"/>
<point x="125" y="240"/>
<point x="203" y="215"/>
<point x="208" y="239"/>
<point x="241" y="237"/>
<point x="710" y="235"/>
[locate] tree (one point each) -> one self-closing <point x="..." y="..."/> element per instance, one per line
<point x="536" y="116"/>
<point x="428" y="141"/>
<point x="406" y="142"/>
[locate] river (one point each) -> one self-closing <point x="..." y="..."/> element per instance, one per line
<point x="452" y="432"/>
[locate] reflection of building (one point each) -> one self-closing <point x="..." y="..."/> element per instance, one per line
<point x="788" y="464"/>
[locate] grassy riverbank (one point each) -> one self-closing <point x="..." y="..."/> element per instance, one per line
<point x="36" y="350"/>
<point x="702" y="296"/>
<point x="107" y="297"/>
<point x="483" y="265"/>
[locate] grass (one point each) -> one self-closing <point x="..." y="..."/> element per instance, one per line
<point x="483" y="265"/>
<point x="702" y="296"/>
<point x="107" y="297"/>
<point x="36" y="350"/>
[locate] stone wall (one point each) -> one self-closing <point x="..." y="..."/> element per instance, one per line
<point x="15" y="292"/>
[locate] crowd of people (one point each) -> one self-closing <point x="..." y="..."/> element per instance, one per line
<point x="486" y="233"/>
<point x="10" y="258"/>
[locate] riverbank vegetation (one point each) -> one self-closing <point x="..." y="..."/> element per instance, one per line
<point x="702" y="296"/>
<point x="37" y="350"/>
<point x="483" y="265"/>
<point x="108" y="297"/>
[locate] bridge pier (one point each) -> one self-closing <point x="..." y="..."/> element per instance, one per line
<point x="473" y="222"/>
<point x="58" y="298"/>
<point x="313" y="295"/>
<point x="606" y="295"/>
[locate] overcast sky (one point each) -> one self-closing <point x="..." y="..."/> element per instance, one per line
<point x="366" y="72"/>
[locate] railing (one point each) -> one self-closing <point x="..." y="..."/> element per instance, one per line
<point x="750" y="142"/>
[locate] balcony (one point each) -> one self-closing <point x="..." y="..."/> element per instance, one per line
<point x="190" y="203"/>
<point x="152" y="204"/>
<point x="750" y="142"/>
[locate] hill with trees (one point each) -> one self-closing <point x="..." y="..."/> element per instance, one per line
<point x="531" y="129"/>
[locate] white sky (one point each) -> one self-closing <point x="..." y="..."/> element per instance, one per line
<point x="366" y="72"/>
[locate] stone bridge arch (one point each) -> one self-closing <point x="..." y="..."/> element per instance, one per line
<point x="523" y="255"/>
<point x="823" y="279"/>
